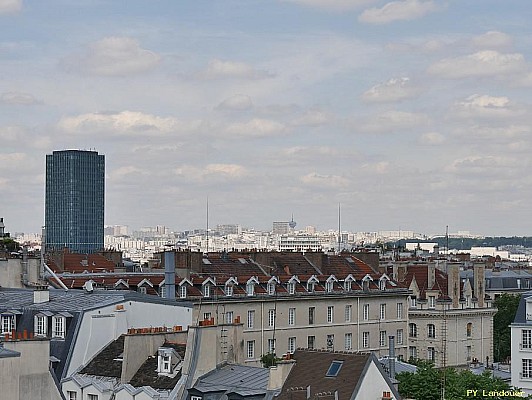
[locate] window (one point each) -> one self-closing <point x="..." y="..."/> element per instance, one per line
<point x="330" y="314"/>
<point x="413" y="329"/>
<point x="271" y="288"/>
<point x="413" y="302"/>
<point x="399" y="335"/>
<point x="291" y="288"/>
<point x="348" y="341"/>
<point x="382" y="284"/>
<point x="40" y="325"/>
<point x="229" y="317"/>
<point x="206" y="316"/>
<point x="162" y="291"/>
<point x="365" y="339"/>
<point x="58" y="326"/>
<point x="183" y="291"/>
<point x="142" y="290"/>
<point x="469" y="329"/>
<point x="527" y="368"/>
<point x="468" y="353"/>
<point x="92" y="397"/>
<point x="250" y="349"/>
<point x="330" y="342"/>
<point x="311" y="312"/>
<point x="271" y="346"/>
<point x="431" y="331"/>
<point x="399" y="310"/>
<point x="250" y="289"/>
<point x="228" y="290"/>
<point x="348" y="285"/>
<point x="206" y="290"/>
<point x="431" y="354"/>
<point x="334" y="368"/>
<point x="432" y="302"/>
<point x="413" y="352"/>
<point x="271" y="317"/>
<point x="329" y="286"/>
<point x="195" y="398"/>
<point x="166" y="366"/>
<point x="348" y="312"/>
<point x="382" y="338"/>
<point x="8" y="323"/>
<point x="526" y="339"/>
<point x="311" y="342"/>
<point x="310" y="286"/>
<point x="291" y="316"/>
<point x="291" y="344"/>
<point x="382" y="314"/>
<point x="251" y="318"/>
<point x="365" y="312"/>
<point x="71" y="395"/>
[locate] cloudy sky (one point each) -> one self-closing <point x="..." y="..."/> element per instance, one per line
<point x="413" y="114"/>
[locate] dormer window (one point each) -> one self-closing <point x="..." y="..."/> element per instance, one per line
<point x="167" y="361"/>
<point x="229" y="290"/>
<point x="207" y="290"/>
<point x="382" y="284"/>
<point x="432" y="301"/>
<point x="310" y="286"/>
<point x="348" y="285"/>
<point x="413" y="302"/>
<point x="166" y="366"/>
<point x="271" y="288"/>
<point x="142" y="289"/>
<point x="250" y="289"/>
<point x="183" y="291"/>
<point x="8" y="323"/>
<point x="162" y="290"/>
<point x="58" y="326"/>
<point x="291" y="288"/>
<point x="329" y="286"/>
<point x="41" y="325"/>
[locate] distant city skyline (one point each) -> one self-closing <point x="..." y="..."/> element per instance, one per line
<point x="413" y="114"/>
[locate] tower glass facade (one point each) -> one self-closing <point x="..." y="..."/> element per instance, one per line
<point x="74" y="209"/>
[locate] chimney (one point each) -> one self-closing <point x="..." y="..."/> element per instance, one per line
<point x="431" y="269"/>
<point x="169" y="274"/>
<point x="391" y="356"/>
<point x="41" y="295"/>
<point x="436" y="250"/>
<point x="279" y="373"/>
<point x="453" y="283"/>
<point x="479" y="280"/>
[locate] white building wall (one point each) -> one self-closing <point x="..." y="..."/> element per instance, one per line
<point x="100" y="327"/>
<point x="373" y="385"/>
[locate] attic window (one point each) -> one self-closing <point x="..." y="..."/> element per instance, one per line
<point x="334" y="368"/>
<point x="242" y="261"/>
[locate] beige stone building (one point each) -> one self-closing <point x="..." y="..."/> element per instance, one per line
<point x="450" y="321"/>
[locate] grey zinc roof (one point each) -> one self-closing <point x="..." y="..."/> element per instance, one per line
<point x="72" y="300"/>
<point x="400" y="366"/>
<point x="5" y="353"/>
<point x="520" y="315"/>
<point x="239" y="379"/>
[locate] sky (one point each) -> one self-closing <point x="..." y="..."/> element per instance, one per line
<point x="410" y="114"/>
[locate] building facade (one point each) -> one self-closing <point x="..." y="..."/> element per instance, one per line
<point x="74" y="209"/>
<point x="521" y="342"/>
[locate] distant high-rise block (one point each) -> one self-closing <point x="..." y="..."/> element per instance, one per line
<point x="74" y="209"/>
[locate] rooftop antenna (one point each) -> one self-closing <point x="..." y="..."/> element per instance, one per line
<point x="339" y="230"/>
<point x="207" y="225"/>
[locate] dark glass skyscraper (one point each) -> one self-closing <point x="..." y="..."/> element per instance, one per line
<point x="74" y="209"/>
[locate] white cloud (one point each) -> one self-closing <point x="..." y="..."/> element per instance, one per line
<point x="118" y="174"/>
<point x="332" y="5"/>
<point x="211" y="171"/>
<point x="219" y="69"/>
<point x="492" y="40"/>
<point x="432" y="138"/>
<point x="12" y="133"/>
<point x="395" y="89"/>
<point x="257" y="127"/>
<point x="238" y="102"/>
<point x="487" y="106"/>
<point x="123" y="123"/>
<point x="483" y="166"/>
<point x="397" y="11"/>
<point x="115" y="56"/>
<point x="391" y="121"/>
<point x="312" y="118"/>
<point x="18" y="98"/>
<point x="482" y="64"/>
<point x="10" y="6"/>
<point x="330" y="181"/>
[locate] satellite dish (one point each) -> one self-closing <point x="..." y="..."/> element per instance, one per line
<point x="88" y="286"/>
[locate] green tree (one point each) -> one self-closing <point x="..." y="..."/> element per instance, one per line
<point x="269" y="360"/>
<point x="506" y="305"/>
<point x="8" y="244"/>
<point x="427" y="383"/>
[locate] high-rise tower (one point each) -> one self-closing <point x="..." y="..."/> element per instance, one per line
<point x="74" y="209"/>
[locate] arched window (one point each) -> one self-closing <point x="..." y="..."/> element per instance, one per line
<point x="469" y="329"/>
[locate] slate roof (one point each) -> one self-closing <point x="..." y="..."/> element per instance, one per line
<point x="107" y="362"/>
<point x="147" y="373"/>
<point x="6" y="353"/>
<point x="400" y="366"/>
<point x="520" y="315"/>
<point x="311" y="368"/>
<point x="501" y="279"/>
<point x="238" y="379"/>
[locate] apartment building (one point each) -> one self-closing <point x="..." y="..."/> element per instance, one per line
<point x="521" y="340"/>
<point x="450" y="320"/>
